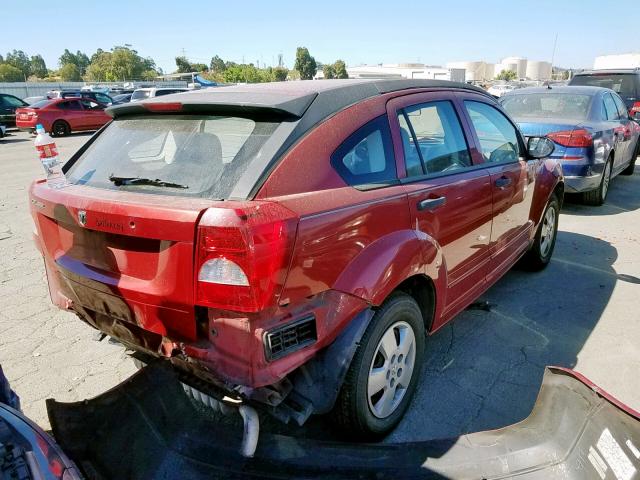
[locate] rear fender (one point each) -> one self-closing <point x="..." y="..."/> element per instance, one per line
<point x="549" y="175"/>
<point x="378" y="269"/>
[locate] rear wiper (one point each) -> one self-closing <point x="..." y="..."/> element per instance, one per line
<point x="119" y="181"/>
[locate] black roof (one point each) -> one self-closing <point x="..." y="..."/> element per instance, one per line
<point x="292" y="99"/>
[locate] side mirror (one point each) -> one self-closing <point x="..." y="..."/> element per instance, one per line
<point x="540" y="147"/>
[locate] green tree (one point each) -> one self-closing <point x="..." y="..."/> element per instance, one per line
<point x="340" y="69"/>
<point x="507" y="75"/>
<point x="121" y="63"/>
<point x="69" y="72"/>
<point x="38" y="67"/>
<point x="96" y="55"/>
<point x="305" y="64"/>
<point x="82" y="62"/>
<point x="67" y="57"/>
<point x="149" y="75"/>
<point x="280" y="74"/>
<point x="1" y="59"/>
<point x="9" y="73"/>
<point x="217" y="65"/>
<point x="328" y="72"/>
<point x="183" y="65"/>
<point x="19" y="59"/>
<point x="99" y="66"/>
<point x="242" y="74"/>
<point x="199" y="67"/>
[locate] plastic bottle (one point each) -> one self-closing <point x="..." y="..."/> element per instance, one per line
<point x="48" y="154"/>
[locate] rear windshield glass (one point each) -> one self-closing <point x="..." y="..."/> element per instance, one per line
<point x="201" y="156"/>
<point x="40" y="104"/>
<point x="621" y="83"/>
<point x="547" y="105"/>
<point x="140" y="94"/>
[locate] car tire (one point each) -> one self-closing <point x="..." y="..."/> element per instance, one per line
<point x="632" y="164"/>
<point x="598" y="196"/>
<point x="541" y="251"/>
<point x="397" y="324"/>
<point x="60" y="128"/>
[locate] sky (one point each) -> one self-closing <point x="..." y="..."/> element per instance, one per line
<point x="359" y="32"/>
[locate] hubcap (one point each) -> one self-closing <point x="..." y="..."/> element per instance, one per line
<point x="606" y="179"/>
<point x="391" y="369"/>
<point x="548" y="231"/>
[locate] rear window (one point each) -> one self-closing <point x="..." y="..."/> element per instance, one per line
<point x="140" y="94"/>
<point x="205" y="155"/>
<point x="547" y="105"/>
<point x="621" y="83"/>
<point x="40" y="104"/>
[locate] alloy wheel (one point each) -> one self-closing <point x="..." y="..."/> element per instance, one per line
<point x="548" y="231"/>
<point x="391" y="369"/>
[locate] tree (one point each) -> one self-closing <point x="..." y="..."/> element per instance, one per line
<point x="340" y="69"/>
<point x="183" y="65"/>
<point x="96" y="55"/>
<point x="280" y="74"/>
<point x="305" y="64"/>
<point x="67" y="57"/>
<point x="507" y="75"/>
<point x="328" y="72"/>
<point x="1" y="59"/>
<point x="69" y="72"/>
<point x="121" y="63"/>
<point x="199" y="67"/>
<point x="217" y="65"/>
<point x="19" y="59"/>
<point x="9" y="73"/>
<point x="82" y="62"/>
<point x="38" y="67"/>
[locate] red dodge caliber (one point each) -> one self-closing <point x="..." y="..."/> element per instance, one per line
<point x="292" y="243"/>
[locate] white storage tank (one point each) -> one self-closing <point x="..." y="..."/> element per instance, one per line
<point x="474" y="71"/>
<point x="506" y="66"/>
<point x="538" y="70"/>
<point x="520" y="65"/>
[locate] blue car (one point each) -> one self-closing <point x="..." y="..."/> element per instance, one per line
<point x="595" y="137"/>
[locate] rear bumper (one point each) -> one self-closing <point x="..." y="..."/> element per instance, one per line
<point x="582" y="184"/>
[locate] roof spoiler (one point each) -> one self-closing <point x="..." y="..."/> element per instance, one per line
<point x="229" y="103"/>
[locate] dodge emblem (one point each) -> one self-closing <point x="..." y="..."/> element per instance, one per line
<point x="82" y="217"/>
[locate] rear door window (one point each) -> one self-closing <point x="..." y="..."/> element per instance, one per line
<point x="610" y="107"/>
<point x="432" y="139"/>
<point x="622" y="109"/>
<point x="366" y="157"/>
<point x="497" y="136"/>
<point x="205" y="155"/>
<point x="70" y="105"/>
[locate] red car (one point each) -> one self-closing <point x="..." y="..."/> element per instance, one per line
<point x="292" y="243"/>
<point x="62" y="116"/>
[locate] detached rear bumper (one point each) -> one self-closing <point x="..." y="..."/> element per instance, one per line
<point x="575" y="431"/>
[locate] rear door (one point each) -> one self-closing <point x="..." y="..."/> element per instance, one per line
<point x="72" y="112"/>
<point x="449" y="195"/>
<point x="94" y="116"/>
<point x="512" y="181"/>
<point x="626" y="125"/>
<point x="617" y="127"/>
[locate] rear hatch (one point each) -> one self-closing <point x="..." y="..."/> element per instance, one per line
<point x="119" y="241"/>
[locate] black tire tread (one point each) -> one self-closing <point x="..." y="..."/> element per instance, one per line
<point x="532" y="260"/>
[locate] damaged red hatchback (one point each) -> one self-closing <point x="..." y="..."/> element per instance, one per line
<point x="291" y="243"/>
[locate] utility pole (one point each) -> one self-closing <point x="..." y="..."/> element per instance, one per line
<point x="553" y="54"/>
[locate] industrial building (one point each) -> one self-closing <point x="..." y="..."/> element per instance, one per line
<point x="404" y="70"/>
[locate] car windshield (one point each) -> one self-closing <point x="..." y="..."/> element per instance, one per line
<point x="140" y="94"/>
<point x="621" y="83"/>
<point x="206" y="154"/>
<point x="547" y="105"/>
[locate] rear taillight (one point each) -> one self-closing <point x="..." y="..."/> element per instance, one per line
<point x="634" y="109"/>
<point x="572" y="138"/>
<point x="243" y="255"/>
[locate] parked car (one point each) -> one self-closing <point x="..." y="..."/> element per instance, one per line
<point x="500" y="89"/>
<point x="595" y="137"/>
<point x="122" y="98"/>
<point x="625" y="82"/>
<point x="8" y="105"/>
<point x="99" y="97"/>
<point x="63" y="115"/>
<point x="144" y="93"/>
<point x="269" y="227"/>
<point x="26" y="451"/>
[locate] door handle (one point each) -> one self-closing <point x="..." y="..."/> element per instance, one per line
<point x="431" y="203"/>
<point x="503" y="182"/>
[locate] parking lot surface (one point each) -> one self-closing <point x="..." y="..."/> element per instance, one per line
<point x="483" y="369"/>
